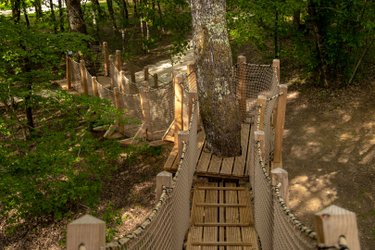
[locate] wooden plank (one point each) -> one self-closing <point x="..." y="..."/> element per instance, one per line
<point x="170" y="164"/>
<point x="222" y="224"/>
<point x="219" y="243"/>
<point x="205" y="204"/>
<point x="240" y="161"/>
<point x="232" y="216"/>
<point x="221" y="216"/>
<point x="246" y="215"/>
<point x="227" y="166"/>
<point x="204" y="161"/>
<point x="215" y="164"/>
<point x="249" y="235"/>
<point x="221" y="188"/>
<point x="195" y="236"/>
<point x="211" y="213"/>
<point x="249" y="154"/>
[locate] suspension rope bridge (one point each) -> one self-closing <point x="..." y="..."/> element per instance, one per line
<point x="206" y="201"/>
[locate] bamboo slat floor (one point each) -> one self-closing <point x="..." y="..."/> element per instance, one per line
<point x="221" y="218"/>
<point x="210" y="165"/>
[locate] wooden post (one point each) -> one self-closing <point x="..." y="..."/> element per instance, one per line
<point x="242" y="88"/>
<point x="163" y="178"/>
<point x="87" y="232"/>
<point x="68" y="72"/>
<point x="259" y="136"/>
<point x="83" y="77"/>
<point x="178" y="104"/>
<point x="182" y="136"/>
<point x="121" y="78"/>
<point x="106" y="58"/>
<point x="276" y="64"/>
<point x="118" y="62"/>
<point x="145" y="73"/>
<point x="280" y="175"/>
<point x="261" y="101"/>
<point x="192" y="78"/>
<point x="156" y="82"/>
<point x="192" y="97"/>
<point x="279" y="126"/>
<point x="95" y="86"/>
<point x="132" y="76"/>
<point x="333" y="222"/>
<point x="145" y="105"/>
<point x="111" y="77"/>
<point x="118" y="105"/>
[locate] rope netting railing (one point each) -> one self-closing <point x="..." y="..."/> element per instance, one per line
<point x="166" y="226"/>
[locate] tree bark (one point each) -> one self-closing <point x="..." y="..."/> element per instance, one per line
<point x="38" y="9"/>
<point x="75" y="16"/>
<point x="61" y="16"/>
<point x="53" y="16"/>
<point x="216" y="87"/>
<point x="111" y="13"/>
<point x="16" y="10"/>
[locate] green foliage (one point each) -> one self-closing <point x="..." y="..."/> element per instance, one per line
<point x="60" y="168"/>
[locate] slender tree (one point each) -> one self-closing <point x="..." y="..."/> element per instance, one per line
<point x="218" y="105"/>
<point x="111" y="13"/>
<point x="61" y="16"/>
<point x="75" y="16"/>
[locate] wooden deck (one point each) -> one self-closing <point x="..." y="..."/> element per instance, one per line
<point x="221" y="218"/>
<point x="210" y="165"/>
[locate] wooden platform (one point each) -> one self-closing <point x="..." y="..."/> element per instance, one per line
<point x="210" y="165"/>
<point x="221" y="218"/>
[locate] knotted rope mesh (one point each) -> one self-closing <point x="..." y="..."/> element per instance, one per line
<point x="276" y="225"/>
<point x="166" y="226"/>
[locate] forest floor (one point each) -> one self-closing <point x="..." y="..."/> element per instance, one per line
<point x="329" y="153"/>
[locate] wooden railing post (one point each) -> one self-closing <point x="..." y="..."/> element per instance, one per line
<point x="276" y="64"/>
<point x="259" y="136"/>
<point x="132" y="76"/>
<point x="192" y="78"/>
<point x="119" y="107"/>
<point x="121" y="80"/>
<point x="95" y="86"/>
<point x="279" y="126"/>
<point x="83" y="77"/>
<point x="334" y="222"/>
<point x="280" y="176"/>
<point x="106" y="58"/>
<point x="86" y="232"/>
<point x="118" y="62"/>
<point x="163" y="178"/>
<point x="68" y="72"/>
<point x="145" y="73"/>
<point x="111" y="77"/>
<point x="145" y="105"/>
<point x="156" y="81"/>
<point x="242" y="88"/>
<point x="178" y="104"/>
<point x="192" y="97"/>
<point x="261" y="101"/>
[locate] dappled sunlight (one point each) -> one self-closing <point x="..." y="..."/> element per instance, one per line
<point x="293" y="95"/>
<point x="310" y="194"/>
<point x="305" y="151"/>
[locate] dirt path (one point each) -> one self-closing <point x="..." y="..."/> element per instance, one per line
<point x="329" y="152"/>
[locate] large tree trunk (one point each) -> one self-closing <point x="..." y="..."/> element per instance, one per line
<point x="218" y="104"/>
<point x="38" y="8"/>
<point x="16" y="10"/>
<point x="53" y="16"/>
<point x="75" y="16"/>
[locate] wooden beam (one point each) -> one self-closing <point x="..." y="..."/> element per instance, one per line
<point x="87" y="232"/>
<point x="83" y="77"/>
<point x="119" y="107"/>
<point x="145" y="73"/>
<point x="118" y="62"/>
<point x="279" y="126"/>
<point x="178" y="104"/>
<point x="156" y="81"/>
<point x="333" y="222"/>
<point x="276" y="65"/>
<point x="111" y="77"/>
<point x="163" y="179"/>
<point x="222" y="243"/>
<point x="95" y="86"/>
<point x="242" y="88"/>
<point x="261" y="101"/>
<point x="221" y="188"/>
<point x="145" y="105"/>
<point x="220" y="205"/>
<point x="280" y="177"/>
<point x="221" y="224"/>
<point x="106" y="58"/>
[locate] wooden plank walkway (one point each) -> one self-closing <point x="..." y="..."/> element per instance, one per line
<point x="221" y="218"/>
<point x="210" y="165"/>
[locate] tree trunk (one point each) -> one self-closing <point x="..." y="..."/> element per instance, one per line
<point x="16" y="10"/>
<point x="38" y="9"/>
<point x="97" y="9"/>
<point x="75" y="16"/>
<point x="53" y="17"/>
<point x="24" y="10"/>
<point x="319" y="41"/>
<point x="111" y="13"/>
<point x="61" y="16"/>
<point x="218" y="104"/>
<point x="135" y="8"/>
